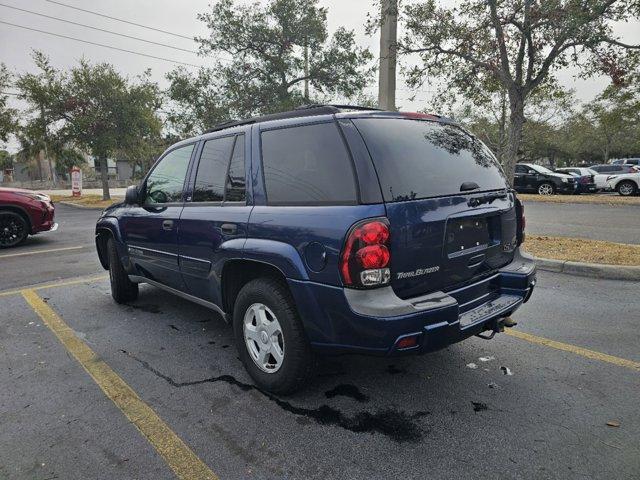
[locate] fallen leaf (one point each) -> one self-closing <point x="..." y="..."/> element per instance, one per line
<point x="613" y="423"/>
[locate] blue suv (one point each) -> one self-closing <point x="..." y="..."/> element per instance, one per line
<point x="327" y="230"/>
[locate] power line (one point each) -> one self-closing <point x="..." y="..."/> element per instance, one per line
<point x="120" y="20"/>
<point x="98" y="29"/>
<point x="101" y="45"/>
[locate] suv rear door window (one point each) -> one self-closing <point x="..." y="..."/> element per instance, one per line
<point x="235" y="188"/>
<point x="212" y="170"/>
<point x="307" y="165"/>
<point x="419" y="159"/>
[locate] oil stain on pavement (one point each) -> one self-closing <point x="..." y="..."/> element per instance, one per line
<point x="398" y="425"/>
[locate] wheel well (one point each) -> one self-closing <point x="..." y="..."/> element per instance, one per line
<point x="19" y="211"/>
<point x="102" y="237"/>
<point x="237" y="273"/>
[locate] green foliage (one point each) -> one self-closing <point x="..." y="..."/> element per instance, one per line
<point x="259" y="56"/>
<point x="8" y="116"/>
<point x="6" y="160"/>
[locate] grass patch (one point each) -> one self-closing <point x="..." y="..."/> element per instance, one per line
<point x="592" y="199"/>
<point x="582" y="250"/>
<point x="94" y="201"/>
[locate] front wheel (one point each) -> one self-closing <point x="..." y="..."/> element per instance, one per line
<point x="626" y="188"/>
<point x="546" y="189"/>
<point x="13" y="229"/>
<point x="123" y="290"/>
<point x="270" y="338"/>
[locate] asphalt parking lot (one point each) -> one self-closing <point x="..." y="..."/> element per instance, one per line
<point x="90" y="389"/>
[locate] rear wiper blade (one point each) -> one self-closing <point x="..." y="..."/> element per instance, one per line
<point x="486" y="198"/>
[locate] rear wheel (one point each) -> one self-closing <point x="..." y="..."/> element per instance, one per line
<point x="123" y="290"/>
<point x="626" y="188"/>
<point x="546" y="189"/>
<point x="13" y="229"/>
<point x="270" y="337"/>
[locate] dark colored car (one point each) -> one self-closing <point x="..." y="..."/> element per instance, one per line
<point x="24" y="213"/>
<point x="585" y="178"/>
<point x="535" y="178"/>
<point x="326" y="229"/>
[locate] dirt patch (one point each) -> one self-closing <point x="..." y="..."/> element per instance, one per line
<point x="582" y="250"/>
<point x="94" y="201"/>
<point x="592" y="199"/>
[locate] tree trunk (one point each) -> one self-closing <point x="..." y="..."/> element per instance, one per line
<point x="104" y="175"/>
<point x="514" y="136"/>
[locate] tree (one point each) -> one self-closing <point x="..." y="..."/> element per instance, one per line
<point x="43" y="91"/>
<point x="518" y="45"/>
<point x="8" y="116"/>
<point x="275" y="50"/>
<point x="106" y="114"/>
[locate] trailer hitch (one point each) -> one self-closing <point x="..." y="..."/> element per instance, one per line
<point x="498" y="327"/>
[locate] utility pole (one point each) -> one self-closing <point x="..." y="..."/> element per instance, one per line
<point x="388" y="55"/>
<point x="306" y="71"/>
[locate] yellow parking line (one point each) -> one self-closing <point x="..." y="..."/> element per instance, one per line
<point x="584" y="352"/>
<point x="34" y="252"/>
<point x="182" y="460"/>
<point x="62" y="283"/>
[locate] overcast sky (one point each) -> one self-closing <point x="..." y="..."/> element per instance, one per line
<point x="177" y="17"/>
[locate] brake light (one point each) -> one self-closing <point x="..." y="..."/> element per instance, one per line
<point x="366" y="255"/>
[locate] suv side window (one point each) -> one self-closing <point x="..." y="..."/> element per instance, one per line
<point x="212" y="169"/>
<point x="235" y="189"/>
<point x="166" y="181"/>
<point x="307" y="165"/>
<point x="521" y="169"/>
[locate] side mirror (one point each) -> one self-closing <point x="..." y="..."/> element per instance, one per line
<point x="132" y="195"/>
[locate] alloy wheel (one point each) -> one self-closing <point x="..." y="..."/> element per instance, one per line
<point x="263" y="338"/>
<point x="545" y="189"/>
<point x="625" y="189"/>
<point x="12" y="230"/>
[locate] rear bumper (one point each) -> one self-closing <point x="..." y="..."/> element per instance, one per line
<point x="339" y="320"/>
<point x="566" y="187"/>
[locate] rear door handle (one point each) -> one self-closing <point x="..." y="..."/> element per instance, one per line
<point x="167" y="225"/>
<point x="229" y="228"/>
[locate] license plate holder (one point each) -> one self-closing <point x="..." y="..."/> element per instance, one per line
<point x="466" y="235"/>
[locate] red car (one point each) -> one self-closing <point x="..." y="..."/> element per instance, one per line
<point x="23" y="213"/>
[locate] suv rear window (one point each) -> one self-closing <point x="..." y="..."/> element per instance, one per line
<point x="307" y="165"/>
<point x="419" y="159"/>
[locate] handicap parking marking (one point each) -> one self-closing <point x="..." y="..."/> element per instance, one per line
<point x="181" y="459"/>
<point x="35" y="252"/>
<point x="567" y="347"/>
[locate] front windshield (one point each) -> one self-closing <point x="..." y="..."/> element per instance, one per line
<point x="540" y="169"/>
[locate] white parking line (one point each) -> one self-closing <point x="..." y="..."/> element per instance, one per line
<point x="35" y="252"/>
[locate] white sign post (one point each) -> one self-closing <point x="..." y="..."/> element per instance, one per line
<point x="76" y="182"/>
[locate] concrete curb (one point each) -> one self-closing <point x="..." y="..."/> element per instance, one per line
<point x="593" y="270"/>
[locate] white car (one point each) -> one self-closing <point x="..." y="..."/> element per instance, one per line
<point x="605" y="171"/>
<point x="626" y="184"/>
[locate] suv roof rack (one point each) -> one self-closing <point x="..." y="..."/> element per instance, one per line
<point x="301" y="111"/>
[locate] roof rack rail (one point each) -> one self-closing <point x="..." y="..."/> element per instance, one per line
<point x="338" y="106"/>
<point x="301" y="111"/>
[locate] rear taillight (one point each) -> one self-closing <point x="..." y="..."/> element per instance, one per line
<point x="366" y="255"/>
<point x="521" y="221"/>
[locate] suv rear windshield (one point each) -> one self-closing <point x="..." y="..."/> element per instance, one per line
<point x="418" y="159"/>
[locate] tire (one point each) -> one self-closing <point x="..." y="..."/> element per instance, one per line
<point x="123" y="290"/>
<point x="294" y="369"/>
<point x="546" y="188"/>
<point x="14" y="229"/>
<point x="626" y="188"/>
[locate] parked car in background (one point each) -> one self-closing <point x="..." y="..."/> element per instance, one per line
<point x="23" y="213"/>
<point x="626" y="184"/>
<point x="535" y="178"/>
<point x="326" y="229"/>
<point x="584" y="176"/>
<point x="626" y="161"/>
<point x="604" y="171"/>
